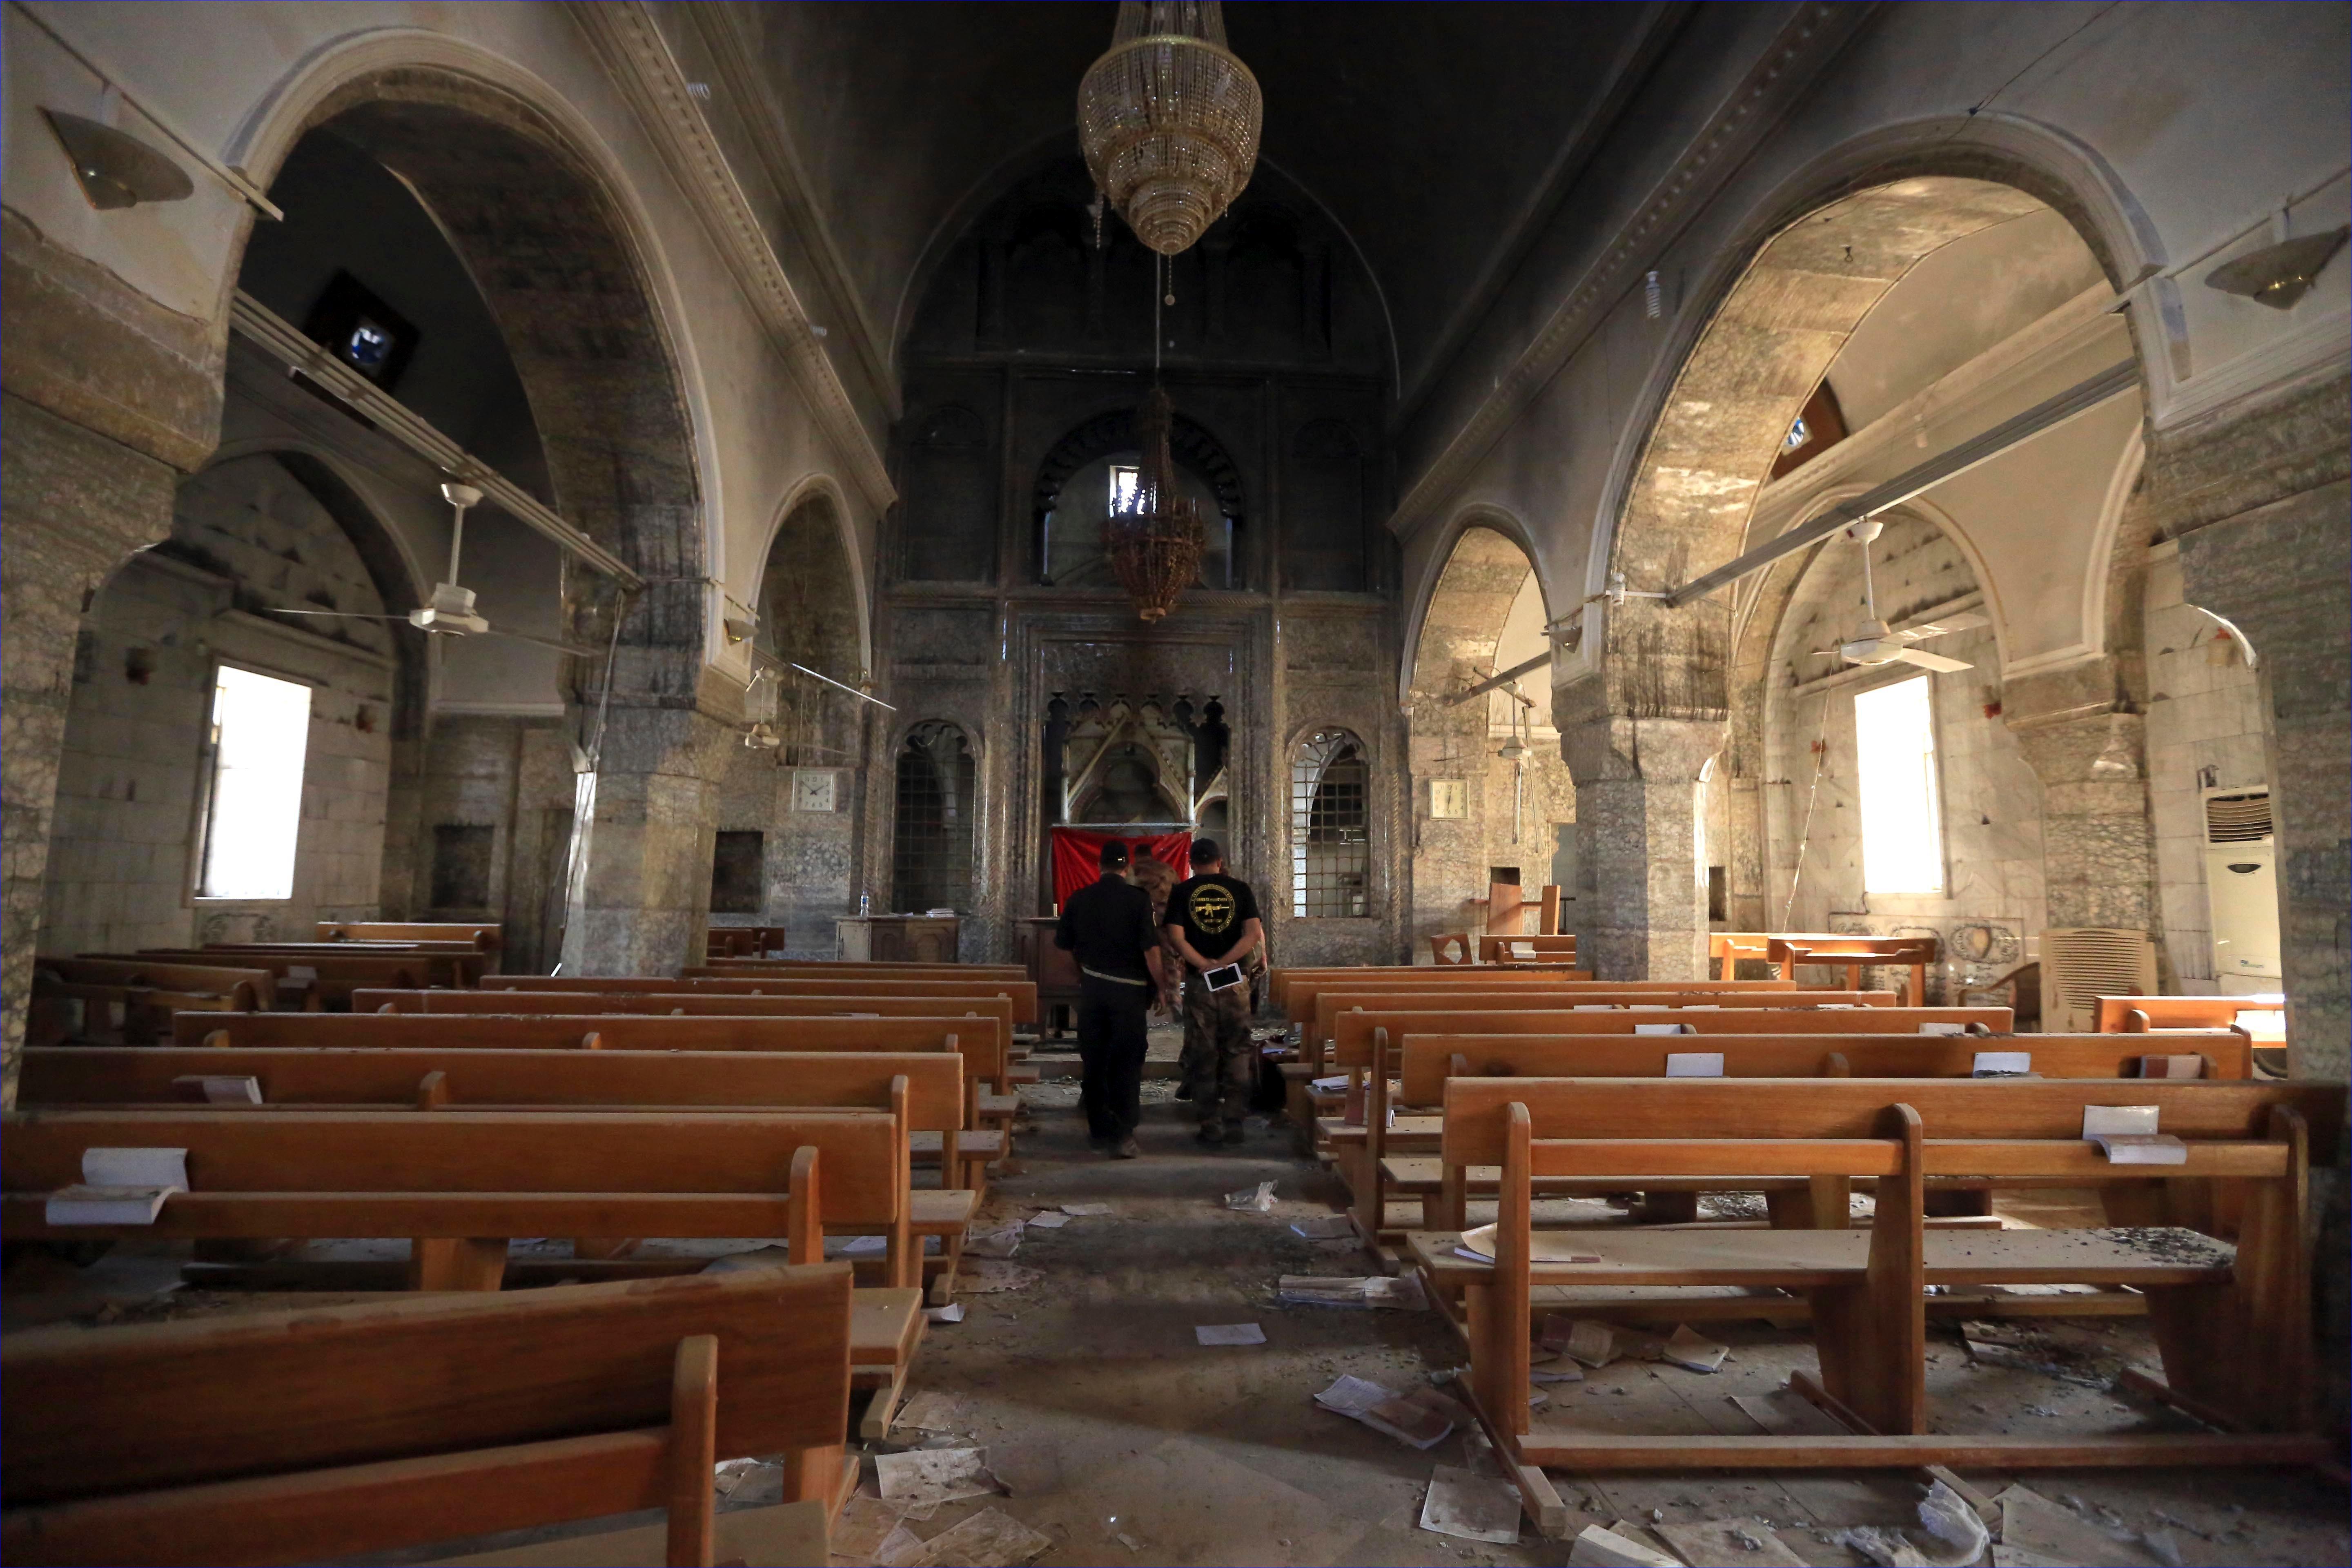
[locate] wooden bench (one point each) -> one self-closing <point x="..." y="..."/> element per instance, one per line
<point x="2233" y="1323"/>
<point x="306" y="1436"/>
<point x="488" y="937"/>
<point x="143" y="996"/>
<point x="741" y="942"/>
<point x="447" y="962"/>
<point x="2142" y="1015"/>
<point x="433" y="1077"/>
<point x="1396" y="1154"/>
<point x="868" y="968"/>
<point x="310" y="981"/>
<point x="1856" y="953"/>
<point x="1281" y="982"/>
<point x="1527" y="950"/>
<point x="1023" y="993"/>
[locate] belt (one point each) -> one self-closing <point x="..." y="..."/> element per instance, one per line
<point x="1114" y="979"/>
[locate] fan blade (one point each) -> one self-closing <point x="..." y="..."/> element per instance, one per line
<point x="1933" y="661"/>
<point x="334" y="615"/>
<point x="1828" y="652"/>
<point x="1966" y="621"/>
<point x="573" y="650"/>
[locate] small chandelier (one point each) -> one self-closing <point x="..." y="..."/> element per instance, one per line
<point x="1154" y="544"/>
<point x="1169" y="120"/>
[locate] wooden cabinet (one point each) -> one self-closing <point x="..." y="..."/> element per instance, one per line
<point x="897" y="939"/>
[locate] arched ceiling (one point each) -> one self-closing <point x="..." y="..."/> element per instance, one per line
<point x="1433" y="135"/>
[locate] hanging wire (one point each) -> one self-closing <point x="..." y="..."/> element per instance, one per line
<point x="1805" y="833"/>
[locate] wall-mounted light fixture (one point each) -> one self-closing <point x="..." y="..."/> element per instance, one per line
<point x="115" y="168"/>
<point x="2279" y="273"/>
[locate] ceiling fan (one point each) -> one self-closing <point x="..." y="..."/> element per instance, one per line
<point x="1873" y="645"/>
<point x="450" y="611"/>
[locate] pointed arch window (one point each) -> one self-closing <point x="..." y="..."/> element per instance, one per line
<point x="1330" y="828"/>
<point x="931" y="851"/>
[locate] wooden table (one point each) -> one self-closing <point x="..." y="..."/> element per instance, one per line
<point x="897" y="939"/>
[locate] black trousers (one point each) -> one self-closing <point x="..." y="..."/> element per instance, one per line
<point x="1111" y="1045"/>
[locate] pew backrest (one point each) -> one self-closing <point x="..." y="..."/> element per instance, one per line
<point x="2137" y="1014"/>
<point x="1350" y="1026"/>
<point x="483" y="938"/>
<point x="1514" y="949"/>
<point x="1022" y="994"/>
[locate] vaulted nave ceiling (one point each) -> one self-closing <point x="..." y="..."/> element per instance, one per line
<point x="1433" y="135"/>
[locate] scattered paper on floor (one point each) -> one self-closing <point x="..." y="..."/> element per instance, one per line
<point x="1422" y="1418"/>
<point x="863" y="1525"/>
<point x="2031" y="1523"/>
<point x="1324" y="1226"/>
<point x="1695" y="1351"/>
<point x="1229" y="1334"/>
<point x="1401" y="1292"/>
<point x="1471" y="1507"/>
<point x="1252" y="1200"/>
<point x="930" y="1410"/>
<point x="899" y="1549"/>
<point x="950" y="1313"/>
<point x="1593" y="1344"/>
<point x="928" y="1477"/>
<point x="1084" y="1211"/>
<point x="1003" y="1241"/>
<point x="1052" y="1219"/>
<point x="989" y="1539"/>
<point x="1597" y="1547"/>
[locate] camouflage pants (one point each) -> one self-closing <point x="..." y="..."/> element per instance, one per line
<point x="1218" y="1059"/>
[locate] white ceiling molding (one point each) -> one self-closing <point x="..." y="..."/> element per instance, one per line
<point x="640" y="63"/>
<point x="1785" y="69"/>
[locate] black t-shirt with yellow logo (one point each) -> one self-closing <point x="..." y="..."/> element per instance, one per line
<point x="1212" y="910"/>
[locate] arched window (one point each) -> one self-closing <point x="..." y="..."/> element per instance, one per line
<point x="932" y="854"/>
<point x="1330" y="828"/>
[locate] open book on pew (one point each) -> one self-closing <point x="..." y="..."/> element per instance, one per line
<point x="120" y="1186"/>
<point x="2127" y="1135"/>
<point x="1543" y="1247"/>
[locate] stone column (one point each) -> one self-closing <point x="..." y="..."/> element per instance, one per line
<point x="105" y="399"/>
<point x="644" y="901"/>
<point x="2098" y="848"/>
<point x="1642" y="913"/>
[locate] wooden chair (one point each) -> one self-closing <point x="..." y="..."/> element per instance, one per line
<point x="1527" y="950"/>
<point x="454" y="1077"/>
<point x="1398" y="1156"/>
<point x="304" y="1435"/>
<point x="2233" y="1324"/>
<point x="1452" y="948"/>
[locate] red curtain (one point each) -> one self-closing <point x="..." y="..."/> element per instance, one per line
<point x="1078" y="855"/>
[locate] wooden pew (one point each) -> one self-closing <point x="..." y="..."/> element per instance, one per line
<point x="1397" y="1157"/>
<point x="2233" y="1324"/>
<point x="146" y="995"/>
<point x="458" y="1183"/>
<point x="2140" y="1015"/>
<point x="1527" y="950"/>
<point x="741" y="942"/>
<point x="307" y="1435"/>
<point x="311" y="982"/>
<point x="433" y="1077"/>
<point x="1725" y="949"/>
<point x="448" y="962"/>
<point x="486" y="937"/>
<point x="873" y="969"/>
<point x="1024" y="992"/>
<point x="1281" y="982"/>
<point x="1856" y="953"/>
<point x="979" y="1016"/>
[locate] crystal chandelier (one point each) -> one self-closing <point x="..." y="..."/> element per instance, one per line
<point x="1154" y="543"/>
<point x="1168" y="121"/>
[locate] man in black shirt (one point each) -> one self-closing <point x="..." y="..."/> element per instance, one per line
<point x="1107" y="926"/>
<point x="1212" y="922"/>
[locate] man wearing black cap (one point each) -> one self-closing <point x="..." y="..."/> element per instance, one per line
<point x="1107" y="926"/>
<point x="1212" y="922"/>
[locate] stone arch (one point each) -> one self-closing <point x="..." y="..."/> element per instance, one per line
<point x="1114" y="430"/>
<point x="810" y="613"/>
<point x="838" y="546"/>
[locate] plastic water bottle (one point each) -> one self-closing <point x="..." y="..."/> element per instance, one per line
<point x="865" y="905"/>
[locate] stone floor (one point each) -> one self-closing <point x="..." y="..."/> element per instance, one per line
<point x="1122" y="1440"/>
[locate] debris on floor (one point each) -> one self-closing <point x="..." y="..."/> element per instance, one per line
<point x="1596" y="1547"/>
<point x="731" y="1476"/>
<point x="928" y="1477"/>
<point x="928" y="1411"/>
<point x="1228" y="1334"/>
<point x="1049" y="1219"/>
<point x="986" y="1276"/>
<point x="1471" y="1507"/>
<point x="1252" y="1200"/>
<point x="1733" y="1544"/>
<point x="1950" y="1535"/>
<point x="1594" y="1344"/>
<point x="1420" y="1418"/>
<point x="989" y="1539"/>
<point x="863" y="1525"/>
<point x="2034" y="1528"/>
<point x="1694" y="1351"/>
<point x="1324" y="1226"/>
<point x="758" y="1257"/>
<point x="950" y="1313"/>
<point x="1787" y="1413"/>
<point x="1401" y="1292"/>
<point x="1085" y="1211"/>
<point x="1003" y="1241"/>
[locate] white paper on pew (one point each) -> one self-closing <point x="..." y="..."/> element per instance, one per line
<point x="1839" y="1007"/>
<point x="1693" y="1064"/>
<point x="2002" y="1064"/>
<point x="1664" y="1029"/>
<point x="1336" y="1080"/>
<point x="105" y="1167"/>
<point x="2097" y="1119"/>
<point x="1595" y="1007"/>
<point x="1228" y="1334"/>
<point x="1701" y="1007"/>
<point x="220" y="1090"/>
<point x="1943" y="1028"/>
<point x="95" y="1204"/>
<point x="1543" y="1247"/>
<point x="301" y="974"/>
<point x="2142" y="1149"/>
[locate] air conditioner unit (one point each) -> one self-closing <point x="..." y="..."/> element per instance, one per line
<point x="2081" y="963"/>
<point x="2241" y="885"/>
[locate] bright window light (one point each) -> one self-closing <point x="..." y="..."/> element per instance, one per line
<point x="1902" y="819"/>
<point x="1125" y="487"/>
<point x="261" y="732"/>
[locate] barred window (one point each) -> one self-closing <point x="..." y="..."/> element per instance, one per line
<point x="931" y="854"/>
<point x="1330" y="828"/>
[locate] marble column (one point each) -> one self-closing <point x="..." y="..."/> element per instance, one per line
<point x="1642" y="911"/>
